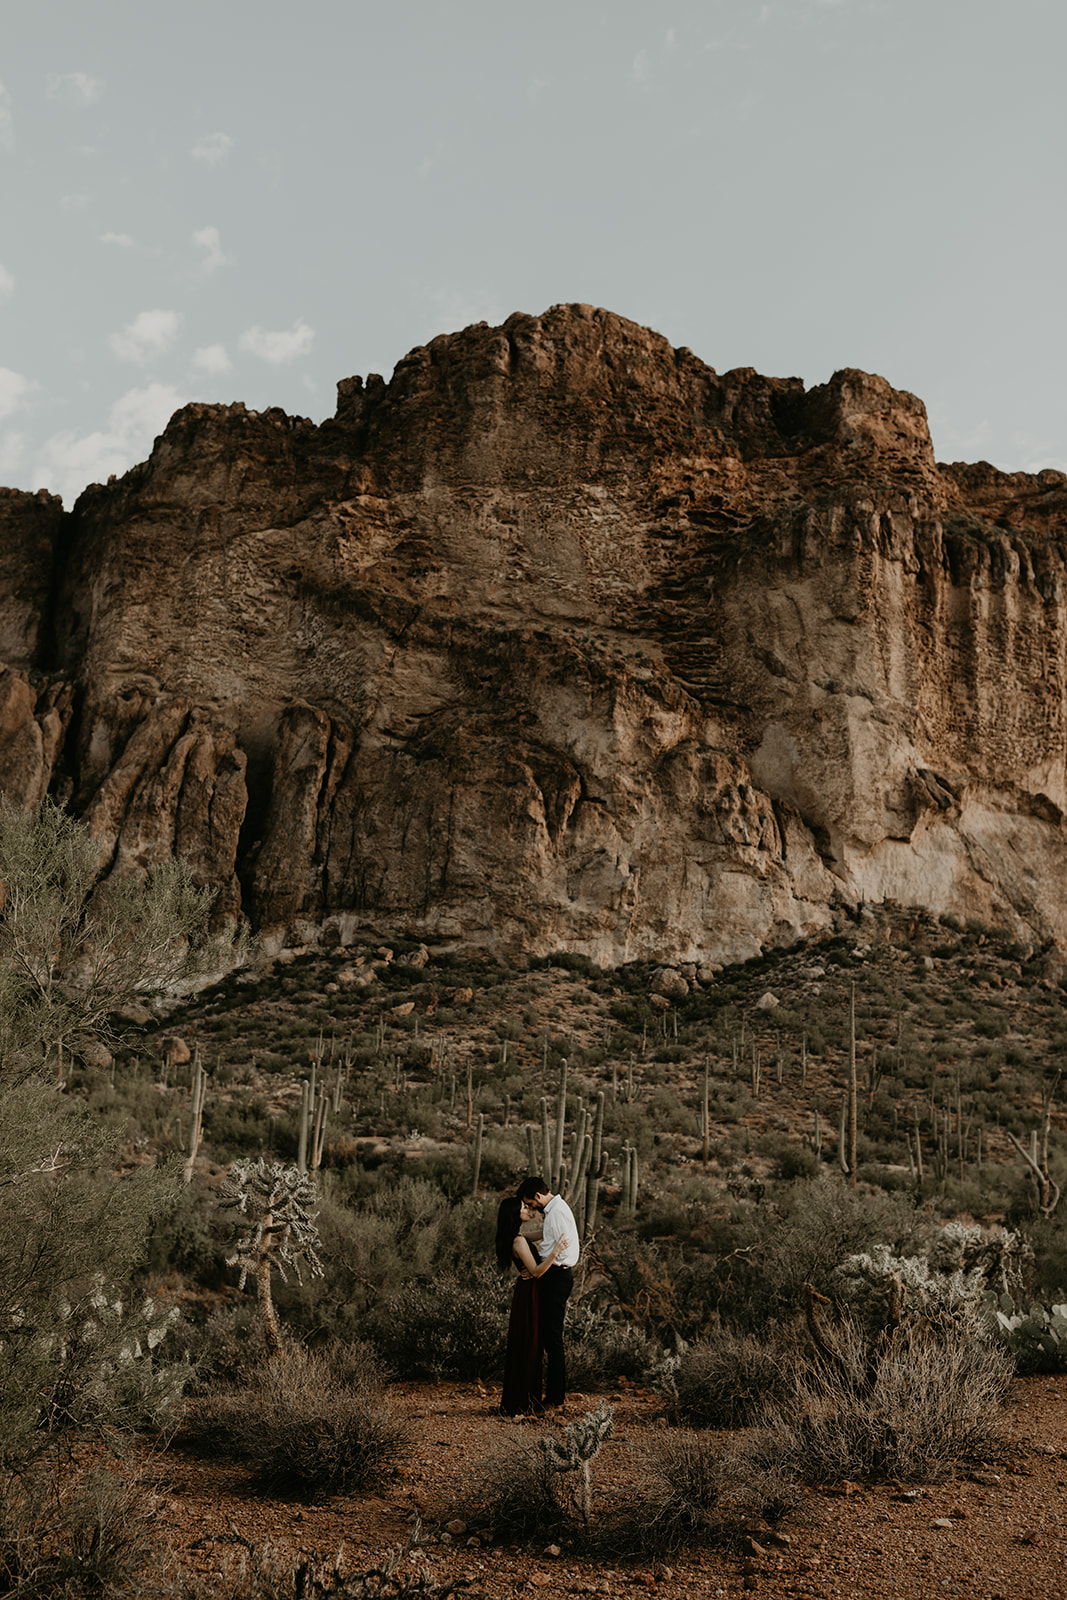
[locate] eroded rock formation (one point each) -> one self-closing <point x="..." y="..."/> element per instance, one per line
<point x="558" y="639"/>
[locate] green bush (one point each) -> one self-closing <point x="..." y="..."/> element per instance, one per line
<point x="796" y="1161"/>
<point x="453" y="1325"/>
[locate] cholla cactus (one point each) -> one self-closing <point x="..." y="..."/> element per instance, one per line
<point x="575" y="1452"/>
<point x="948" y="1283"/>
<point x="274" y="1228"/>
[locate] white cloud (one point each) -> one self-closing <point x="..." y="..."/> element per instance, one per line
<point x="12" y="388"/>
<point x="639" y="69"/>
<point x="12" y="455"/>
<point x="212" y="359"/>
<point x="125" y="241"/>
<point x="7" y="283"/>
<point x="7" y="121"/>
<point x="76" y="202"/>
<point x="215" y="147"/>
<point x="151" y="333"/>
<point x="73" y="88"/>
<point x="207" y="239"/>
<point x="285" y="345"/>
<point x="66" y="462"/>
<point x="454" y="308"/>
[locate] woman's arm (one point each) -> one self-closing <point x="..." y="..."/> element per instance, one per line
<point x="528" y="1262"/>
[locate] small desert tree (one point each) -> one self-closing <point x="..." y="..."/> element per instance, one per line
<point x="71" y="1228"/>
<point x="274" y="1228"/>
<point x="73" y="951"/>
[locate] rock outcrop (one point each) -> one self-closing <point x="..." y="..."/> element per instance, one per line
<point x="558" y="639"/>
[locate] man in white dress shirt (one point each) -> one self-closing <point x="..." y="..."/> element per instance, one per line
<point x="556" y="1284"/>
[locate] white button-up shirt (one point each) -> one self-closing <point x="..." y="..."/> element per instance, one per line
<point x="560" y="1223"/>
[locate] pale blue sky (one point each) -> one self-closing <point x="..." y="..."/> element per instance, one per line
<point x="228" y="200"/>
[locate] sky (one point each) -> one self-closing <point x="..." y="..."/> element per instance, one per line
<point x="225" y="200"/>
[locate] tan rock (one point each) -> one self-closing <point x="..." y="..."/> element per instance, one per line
<point x="175" y="1051"/>
<point x="669" y="982"/>
<point x="353" y="977"/>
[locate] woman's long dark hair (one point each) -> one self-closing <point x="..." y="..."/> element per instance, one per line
<point x="508" y="1223"/>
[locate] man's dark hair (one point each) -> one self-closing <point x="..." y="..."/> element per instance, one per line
<point x="529" y="1187"/>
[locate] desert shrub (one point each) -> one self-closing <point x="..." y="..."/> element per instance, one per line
<point x="78" y="1350"/>
<point x="948" y="1284"/>
<point x="695" y="1492"/>
<point x="516" y="1491"/>
<point x="309" y="1424"/>
<point x="668" y="1292"/>
<point x="531" y="1489"/>
<point x="601" y="1349"/>
<point x="398" y="1233"/>
<point x="724" y="1381"/>
<point x="95" y="1539"/>
<point x="767" y="1257"/>
<point x="1048" y="1240"/>
<point x="794" y="1161"/>
<point x="181" y="1241"/>
<point x="452" y="1325"/>
<point x="909" y="1409"/>
<point x="226" y="1350"/>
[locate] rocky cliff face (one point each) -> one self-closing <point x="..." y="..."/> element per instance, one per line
<point x="559" y="639"/>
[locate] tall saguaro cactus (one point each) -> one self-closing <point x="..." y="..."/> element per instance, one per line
<point x="196" y="1117"/>
<point x="274" y="1228"/>
<point x="597" y="1161"/>
<point x="561" y="1118"/>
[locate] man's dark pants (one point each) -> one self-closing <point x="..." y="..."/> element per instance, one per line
<point x="556" y="1286"/>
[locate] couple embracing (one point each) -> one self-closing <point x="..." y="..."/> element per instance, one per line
<point x="539" y="1305"/>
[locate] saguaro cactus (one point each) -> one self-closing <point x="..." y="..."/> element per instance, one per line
<point x="561" y="1118"/>
<point x="1046" y="1190"/>
<point x="196" y="1117"/>
<point x="628" y="1199"/>
<point x="597" y="1161"/>
<point x="478" y="1131"/>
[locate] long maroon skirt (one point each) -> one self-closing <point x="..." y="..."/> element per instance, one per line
<point x="522" y="1389"/>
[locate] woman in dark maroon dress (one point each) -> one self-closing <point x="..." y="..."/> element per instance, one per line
<point x="524" y="1356"/>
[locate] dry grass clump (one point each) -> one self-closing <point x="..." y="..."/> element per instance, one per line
<point x="95" y="1540"/>
<point x="698" y="1492"/>
<point x="263" y="1573"/>
<point x="908" y="1410"/>
<point x="312" y="1425"/>
<point x="725" y="1380"/>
